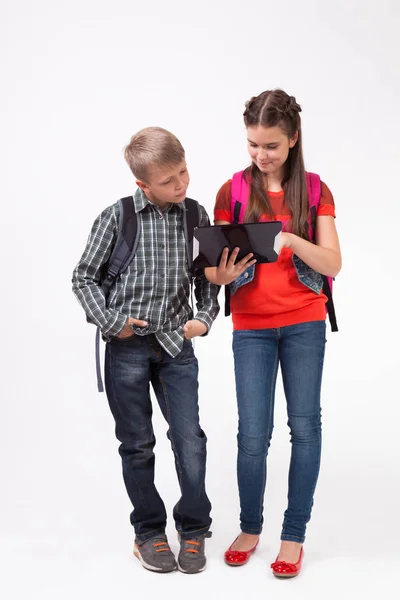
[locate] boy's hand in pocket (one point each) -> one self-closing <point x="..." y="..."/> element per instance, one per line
<point x="194" y="328"/>
<point x="127" y="330"/>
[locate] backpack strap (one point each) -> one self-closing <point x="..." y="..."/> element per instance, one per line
<point x="227" y="301"/>
<point x="314" y="195"/>
<point x="121" y="256"/>
<point x="191" y="220"/>
<point x="125" y="245"/>
<point x="330" y="307"/>
<point x="240" y="192"/>
<point x="100" y="387"/>
<point x="313" y="182"/>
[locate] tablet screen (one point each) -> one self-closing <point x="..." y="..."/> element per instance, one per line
<point x="262" y="239"/>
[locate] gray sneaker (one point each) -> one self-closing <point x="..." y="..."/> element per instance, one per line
<point x="155" y="554"/>
<point x="191" y="558"/>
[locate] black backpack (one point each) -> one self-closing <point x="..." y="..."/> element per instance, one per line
<point x="125" y="248"/>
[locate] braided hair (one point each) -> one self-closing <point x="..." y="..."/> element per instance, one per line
<point x="275" y="108"/>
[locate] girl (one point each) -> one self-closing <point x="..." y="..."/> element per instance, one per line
<point x="278" y="313"/>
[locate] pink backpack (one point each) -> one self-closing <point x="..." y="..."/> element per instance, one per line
<point x="240" y="193"/>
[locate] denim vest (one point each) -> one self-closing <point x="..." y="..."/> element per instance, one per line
<point x="306" y="275"/>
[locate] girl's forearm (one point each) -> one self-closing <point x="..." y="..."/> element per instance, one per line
<point x="323" y="260"/>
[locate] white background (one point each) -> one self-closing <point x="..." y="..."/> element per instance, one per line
<point x="78" y="78"/>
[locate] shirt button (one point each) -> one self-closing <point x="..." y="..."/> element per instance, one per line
<point x="162" y="275"/>
<point x="246" y="275"/>
<point x="162" y="246"/>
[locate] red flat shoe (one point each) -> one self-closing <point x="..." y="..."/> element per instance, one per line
<point x="237" y="558"/>
<point x="280" y="568"/>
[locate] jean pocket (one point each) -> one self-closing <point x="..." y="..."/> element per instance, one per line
<point x="120" y="340"/>
<point x="307" y="276"/>
<point x="243" y="279"/>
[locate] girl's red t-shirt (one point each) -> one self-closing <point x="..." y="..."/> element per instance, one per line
<point x="275" y="297"/>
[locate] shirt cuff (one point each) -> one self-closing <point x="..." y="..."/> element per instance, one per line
<point x="222" y="215"/>
<point x="326" y="210"/>
<point x="204" y="318"/>
<point x="114" y="325"/>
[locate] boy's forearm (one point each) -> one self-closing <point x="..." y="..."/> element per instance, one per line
<point x="205" y="318"/>
<point x="91" y="298"/>
<point x="206" y="301"/>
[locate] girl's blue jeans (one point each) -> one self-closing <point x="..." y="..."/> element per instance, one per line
<point x="299" y="350"/>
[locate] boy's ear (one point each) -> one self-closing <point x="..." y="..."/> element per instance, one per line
<point x="141" y="184"/>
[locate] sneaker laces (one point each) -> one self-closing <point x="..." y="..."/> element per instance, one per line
<point x="161" y="546"/>
<point x="194" y="543"/>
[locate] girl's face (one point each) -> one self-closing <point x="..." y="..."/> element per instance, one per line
<point x="269" y="147"/>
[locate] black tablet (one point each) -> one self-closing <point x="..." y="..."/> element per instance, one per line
<point x="262" y="239"/>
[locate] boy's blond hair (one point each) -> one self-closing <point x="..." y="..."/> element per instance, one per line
<point x="152" y="146"/>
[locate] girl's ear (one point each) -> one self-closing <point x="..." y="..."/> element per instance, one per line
<point x="293" y="140"/>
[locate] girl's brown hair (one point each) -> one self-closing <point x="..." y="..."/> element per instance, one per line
<point x="270" y="109"/>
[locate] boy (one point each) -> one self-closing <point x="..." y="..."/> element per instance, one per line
<point x="148" y="324"/>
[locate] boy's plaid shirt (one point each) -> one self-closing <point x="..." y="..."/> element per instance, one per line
<point x="156" y="285"/>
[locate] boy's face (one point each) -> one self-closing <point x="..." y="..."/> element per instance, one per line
<point x="167" y="184"/>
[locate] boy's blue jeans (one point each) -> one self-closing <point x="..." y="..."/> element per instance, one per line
<point x="299" y="349"/>
<point x="130" y="366"/>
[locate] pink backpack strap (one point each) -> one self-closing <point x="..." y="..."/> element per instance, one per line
<point x="313" y="182"/>
<point x="240" y="192"/>
<point x="314" y="196"/>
